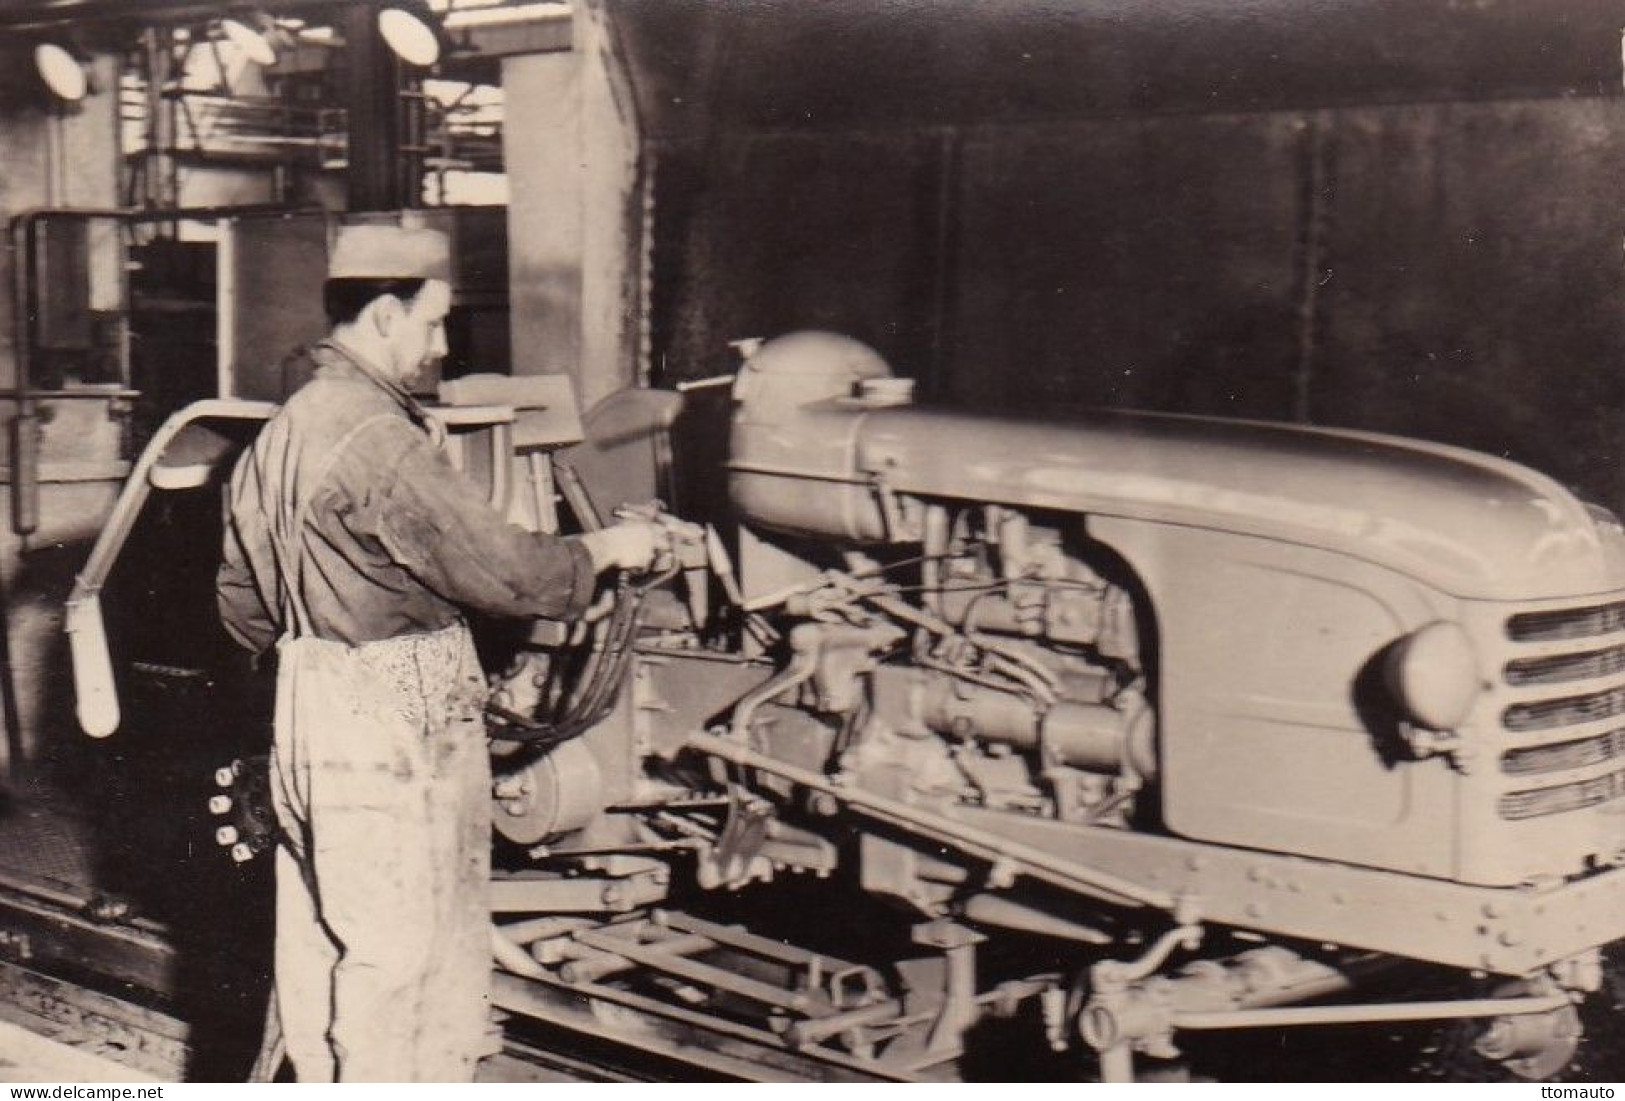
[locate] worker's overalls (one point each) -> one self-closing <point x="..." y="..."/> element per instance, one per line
<point x="382" y="788"/>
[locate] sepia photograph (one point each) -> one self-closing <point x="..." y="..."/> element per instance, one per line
<point x="812" y="541"/>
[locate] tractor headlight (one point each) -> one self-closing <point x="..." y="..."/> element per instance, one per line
<point x="1433" y="673"/>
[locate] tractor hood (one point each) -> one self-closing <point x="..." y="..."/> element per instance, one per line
<point x="1471" y="525"/>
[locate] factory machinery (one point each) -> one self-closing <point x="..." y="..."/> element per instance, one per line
<point x="1090" y="739"/>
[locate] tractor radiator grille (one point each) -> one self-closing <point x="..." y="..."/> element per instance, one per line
<point x="1566" y="667"/>
<point x="1565" y="709"/>
<point x="1564" y="755"/>
<point x="1563" y="797"/>
<point x="1566" y="624"/>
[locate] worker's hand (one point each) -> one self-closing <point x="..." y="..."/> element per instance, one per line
<point x="602" y="605"/>
<point x="628" y="545"/>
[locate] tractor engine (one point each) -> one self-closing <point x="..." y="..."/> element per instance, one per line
<point x="1122" y="678"/>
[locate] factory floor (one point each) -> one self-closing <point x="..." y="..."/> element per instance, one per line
<point x="120" y="840"/>
<point x="26" y="1056"/>
<point x="44" y="840"/>
<point x="141" y="869"/>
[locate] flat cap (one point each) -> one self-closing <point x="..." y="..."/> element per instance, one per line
<point x="389" y="252"/>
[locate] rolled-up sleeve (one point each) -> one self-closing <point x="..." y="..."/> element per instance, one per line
<point x="436" y="524"/>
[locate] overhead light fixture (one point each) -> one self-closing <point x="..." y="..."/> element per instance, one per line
<point x="249" y="42"/>
<point x="61" y="71"/>
<point x="412" y="39"/>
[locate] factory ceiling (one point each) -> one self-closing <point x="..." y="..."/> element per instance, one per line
<point x="32" y="14"/>
<point x="700" y="66"/>
<point x="476" y="33"/>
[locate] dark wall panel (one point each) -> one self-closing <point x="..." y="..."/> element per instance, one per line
<point x="708" y="65"/>
<point x="1477" y="292"/>
<point x="1148" y="263"/>
<point x="1450" y="271"/>
<point x="760" y="235"/>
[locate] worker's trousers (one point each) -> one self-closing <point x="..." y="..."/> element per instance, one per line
<point x="382" y="788"/>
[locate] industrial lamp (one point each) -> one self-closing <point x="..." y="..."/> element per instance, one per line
<point x="410" y="36"/>
<point x="61" y="72"/>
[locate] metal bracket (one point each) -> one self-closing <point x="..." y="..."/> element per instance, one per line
<point x="1115" y="1022"/>
<point x="736" y="859"/>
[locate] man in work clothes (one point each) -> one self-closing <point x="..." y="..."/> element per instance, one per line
<point x="353" y="540"/>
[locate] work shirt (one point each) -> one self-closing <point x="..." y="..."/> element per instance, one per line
<point x="385" y="537"/>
